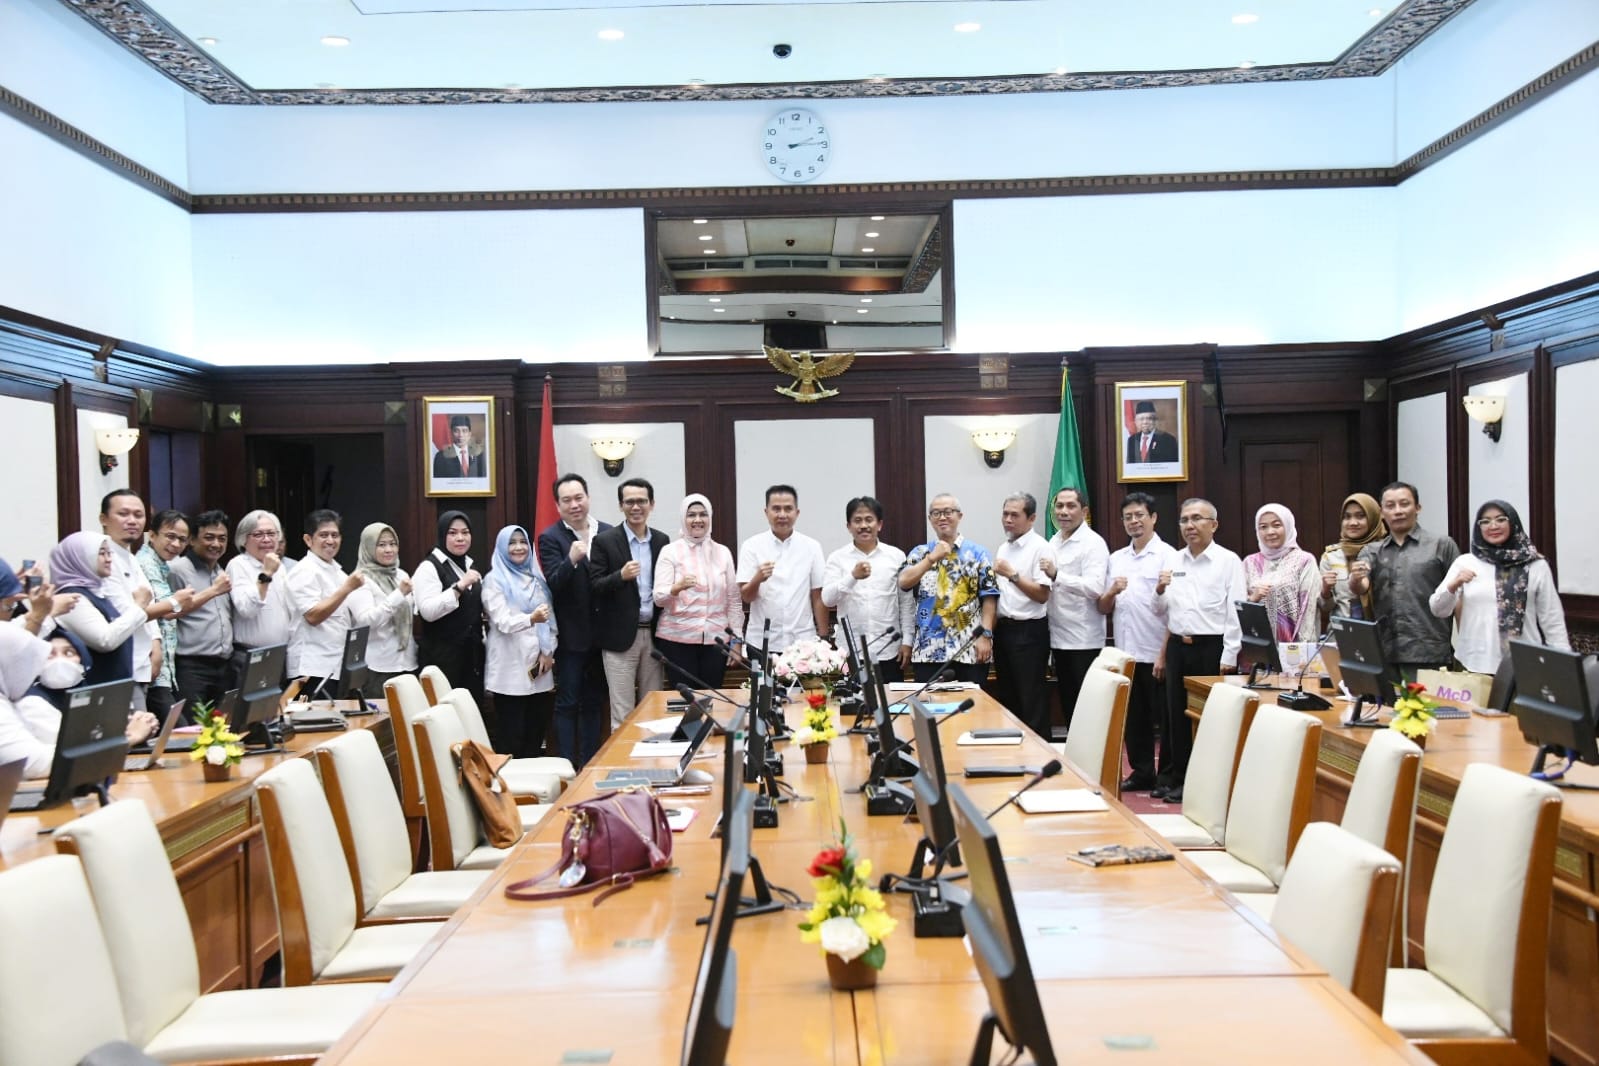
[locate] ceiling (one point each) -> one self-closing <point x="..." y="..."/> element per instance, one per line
<point x="403" y="51"/>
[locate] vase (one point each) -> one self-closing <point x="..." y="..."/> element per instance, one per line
<point x="850" y="976"/>
<point x="816" y="753"/>
<point x="816" y="683"/>
<point x="216" y="773"/>
<point x="1421" y="741"/>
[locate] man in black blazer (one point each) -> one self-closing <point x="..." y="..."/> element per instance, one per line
<point x="459" y="460"/>
<point x="622" y="574"/>
<point x="1148" y="444"/>
<point x="579" y="676"/>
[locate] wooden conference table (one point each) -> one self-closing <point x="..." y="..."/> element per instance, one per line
<point x="1154" y="958"/>
<point x="1573" y="989"/>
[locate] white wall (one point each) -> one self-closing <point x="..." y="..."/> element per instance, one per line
<point x="93" y="485"/>
<point x="829" y="461"/>
<point x="28" y="522"/>
<point x="955" y="465"/>
<point x="658" y="457"/>
<point x="1423" y="459"/>
<point x="1500" y="471"/>
<point x="1576" y="444"/>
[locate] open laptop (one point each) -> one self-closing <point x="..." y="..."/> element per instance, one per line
<point x="656" y="777"/>
<point x="161" y="745"/>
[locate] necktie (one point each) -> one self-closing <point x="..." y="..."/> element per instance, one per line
<point x="1143" y="451"/>
<point x="465" y="470"/>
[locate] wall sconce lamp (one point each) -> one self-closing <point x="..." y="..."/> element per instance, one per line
<point x="612" y="450"/>
<point x="993" y="443"/>
<point x="1489" y="410"/>
<point x="112" y="443"/>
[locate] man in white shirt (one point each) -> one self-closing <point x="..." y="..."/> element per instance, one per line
<point x="318" y="588"/>
<point x="1129" y="598"/>
<point x="861" y="580"/>
<point x="780" y="576"/>
<point x="1021" y="630"/>
<point x="1197" y="594"/>
<point x="122" y="519"/>
<point x="260" y="588"/>
<point x="1076" y="563"/>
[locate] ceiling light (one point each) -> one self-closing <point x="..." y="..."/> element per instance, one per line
<point x="1245" y="19"/>
<point x="1375" y="12"/>
<point x="874" y="233"/>
<point x="877" y="78"/>
<point x="862" y="311"/>
<point x="696" y="83"/>
<point x="710" y="251"/>
<point x="715" y="300"/>
<point x="209" y="42"/>
<point x="968" y="27"/>
<point x="866" y="250"/>
<point x="336" y="42"/>
<point x="611" y="35"/>
<point x="701" y="221"/>
<point x="720" y="310"/>
<point x="866" y="299"/>
<point x="1248" y="64"/>
<point x="324" y="85"/>
<point x="877" y="218"/>
<point x="707" y="237"/>
<point x="1059" y="71"/>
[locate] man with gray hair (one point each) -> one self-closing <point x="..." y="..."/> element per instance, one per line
<point x="1202" y="633"/>
<point x="956" y="593"/>
<point x="1021" y="633"/>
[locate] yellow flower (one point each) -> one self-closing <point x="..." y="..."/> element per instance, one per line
<point x="829" y="893"/>
<point x="876" y="925"/>
<point x="863" y="870"/>
<point x="1414" y="728"/>
<point x="869" y="898"/>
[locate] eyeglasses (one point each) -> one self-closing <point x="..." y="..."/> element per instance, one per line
<point x="943" y="512"/>
<point x="269" y="534"/>
<point x="1194" y="519"/>
<point x="632" y="503"/>
<point x="174" y="538"/>
<point x="1497" y="520"/>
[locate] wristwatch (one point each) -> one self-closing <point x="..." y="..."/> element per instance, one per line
<point x="264" y="579"/>
<point x="989" y="633"/>
<point x="176" y="605"/>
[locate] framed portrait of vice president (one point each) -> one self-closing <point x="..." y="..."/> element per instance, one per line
<point x="458" y="445"/>
<point x="1151" y="431"/>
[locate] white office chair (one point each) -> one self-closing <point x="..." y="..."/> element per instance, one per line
<point x="312" y="890"/>
<point x="406" y="700"/>
<point x="1336" y="903"/>
<point x="455" y="831"/>
<point x="58" y="997"/>
<point x="1270" y="803"/>
<point x="1202" y="823"/>
<point x="1094" y="745"/>
<point x="146" y="927"/>
<point x="532" y="780"/>
<point x="1381" y="810"/>
<point x="1115" y="660"/>
<point x="371" y="827"/>
<point x="1487" y="935"/>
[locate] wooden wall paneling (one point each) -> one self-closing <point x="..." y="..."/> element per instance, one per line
<point x="1501" y="364"/>
<point x="68" y="511"/>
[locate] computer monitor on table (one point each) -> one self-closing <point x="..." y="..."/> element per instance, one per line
<point x="709" y="1027"/>
<point x="932" y="798"/>
<point x="1554" y="704"/>
<point x="259" y="694"/>
<point x="353" y="670"/>
<point x="91" y="746"/>
<point x="1259" y="647"/>
<point x="1363" y="669"/>
<point x="997" y="947"/>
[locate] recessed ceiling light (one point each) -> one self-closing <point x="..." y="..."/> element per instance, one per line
<point x="873" y="233"/>
<point x="1245" y="19"/>
<point x="877" y="218"/>
<point x="611" y="35"/>
<point x="701" y="221"/>
<point x="968" y="27"/>
<point x="336" y="42"/>
<point x="1375" y="12"/>
<point x="866" y="299"/>
<point x="1248" y="64"/>
<point x="861" y="311"/>
<point x="209" y="42"/>
<point x="710" y="251"/>
<point x="715" y="300"/>
<point x="707" y="237"/>
<point x="865" y="250"/>
<point x="1059" y="71"/>
<point x="720" y="310"/>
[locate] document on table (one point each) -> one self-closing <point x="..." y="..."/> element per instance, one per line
<point x="967" y="740"/>
<point x="646" y="750"/>
<point x="1062" y="801"/>
<point x="656" y="727"/>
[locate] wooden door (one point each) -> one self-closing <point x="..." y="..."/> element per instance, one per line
<point x="1300" y="461"/>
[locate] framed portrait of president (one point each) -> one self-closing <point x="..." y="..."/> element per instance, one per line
<point x="1151" y="431"/>
<point x="458" y="445"/>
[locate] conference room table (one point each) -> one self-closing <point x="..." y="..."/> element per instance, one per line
<point x="1454" y="744"/>
<point x="1154" y="958"/>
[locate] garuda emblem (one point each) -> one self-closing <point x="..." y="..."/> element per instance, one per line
<point x="806" y="372"/>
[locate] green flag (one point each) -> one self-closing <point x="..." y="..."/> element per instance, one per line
<point x="1067" y="473"/>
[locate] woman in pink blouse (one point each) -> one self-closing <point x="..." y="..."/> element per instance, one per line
<point x="698" y="599"/>
<point x="1283" y="576"/>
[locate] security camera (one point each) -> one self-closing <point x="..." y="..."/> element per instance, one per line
<point x="782" y="51"/>
<point x="793" y="314"/>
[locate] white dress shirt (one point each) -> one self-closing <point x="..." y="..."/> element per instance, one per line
<point x="1026" y="554"/>
<point x="1140" y="620"/>
<point x="1081" y="560"/>
<point x="258" y="622"/>
<point x="126" y="576"/>
<point x="874" y="605"/>
<point x="371" y="607"/>
<point x="1476" y="611"/>
<point x="316" y="650"/>
<point x="1199" y="601"/>
<point x="434" y="600"/>
<point x="513" y="645"/>
<point x="785" y="597"/>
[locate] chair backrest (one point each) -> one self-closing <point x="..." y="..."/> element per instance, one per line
<point x="1273" y="791"/>
<point x="1115" y="660"/>
<point x="1094" y="745"/>
<point x="435" y="686"/>
<point x="1488" y="909"/>
<point x="453" y="825"/>
<point x="58" y="996"/>
<point x="1381" y="808"/>
<point x="367" y="814"/>
<point x="406" y="701"/>
<point x="310" y="878"/>
<point x="471" y="715"/>
<point x="1336" y="903"/>
<point x="141" y="911"/>
<point x="1229" y="709"/>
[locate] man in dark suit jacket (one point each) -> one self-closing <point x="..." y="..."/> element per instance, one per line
<point x="447" y="461"/>
<point x="1148" y="444"/>
<point x="622" y="574"/>
<point x="579" y="676"/>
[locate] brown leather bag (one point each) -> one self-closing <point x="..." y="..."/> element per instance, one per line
<point x="479" y="769"/>
<point x="610" y="840"/>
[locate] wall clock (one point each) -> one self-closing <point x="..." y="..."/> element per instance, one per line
<point x="796" y="145"/>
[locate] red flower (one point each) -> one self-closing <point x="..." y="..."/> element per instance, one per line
<point x="1415" y="688"/>
<point x="828" y="863"/>
<point x="816" y="699"/>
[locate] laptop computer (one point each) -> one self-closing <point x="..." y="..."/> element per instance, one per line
<point x="656" y="777"/>
<point x="162" y="744"/>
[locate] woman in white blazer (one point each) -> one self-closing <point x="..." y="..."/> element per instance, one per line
<point x="518" y="673"/>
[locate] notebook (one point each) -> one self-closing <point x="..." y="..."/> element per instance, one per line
<point x="1062" y="801"/>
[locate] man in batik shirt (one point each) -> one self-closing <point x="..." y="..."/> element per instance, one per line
<point x="956" y="597"/>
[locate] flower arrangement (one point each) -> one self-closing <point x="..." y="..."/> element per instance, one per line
<point x="849" y="918"/>
<point x="217" y="745"/>
<point x="819" y="727"/>
<point x="810" y="659"/>
<point x="1413" y="712"/>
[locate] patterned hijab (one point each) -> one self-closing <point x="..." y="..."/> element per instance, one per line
<point x="688" y="501"/>
<point x="385" y="578"/>
<point x="1290" y="531"/>
<point x="522" y="584"/>
<point x="75" y="563"/>
<point x="1510" y="561"/>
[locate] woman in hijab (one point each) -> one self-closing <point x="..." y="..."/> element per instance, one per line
<point x="1503" y="591"/>
<point x="697" y="593"/>
<point x="1360" y="524"/>
<point x="384" y="604"/>
<point x="520" y="671"/>
<point x="34" y="677"/>
<point x="1282" y="575"/>
<point x="449" y="597"/>
<point x="80" y="564"/>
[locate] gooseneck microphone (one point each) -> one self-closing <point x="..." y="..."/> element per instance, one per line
<point x="905" y="743"/>
<point x="945" y="667"/>
<point x="1045" y="772"/>
<point x="1299" y="699"/>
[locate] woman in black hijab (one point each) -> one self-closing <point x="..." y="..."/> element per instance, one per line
<point x="449" y="597"/>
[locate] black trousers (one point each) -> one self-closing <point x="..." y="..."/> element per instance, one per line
<point x="1200" y="657"/>
<point x="1071" y="666"/>
<point x="973" y="673"/>
<point x="461" y="661"/>
<point x="522" y="723"/>
<point x="204" y="678"/>
<point x="693" y="664"/>
<point x="1146" y="704"/>
<point x="1021" y="660"/>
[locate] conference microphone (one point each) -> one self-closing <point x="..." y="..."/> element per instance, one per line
<point x="947" y="664"/>
<point x="683" y="690"/>
<point x="883" y="759"/>
<point x="1048" y="770"/>
<point x="1299" y="699"/>
<point x="734" y="640"/>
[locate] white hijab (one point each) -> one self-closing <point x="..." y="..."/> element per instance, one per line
<point x="688" y="501"/>
<point x="22" y="656"/>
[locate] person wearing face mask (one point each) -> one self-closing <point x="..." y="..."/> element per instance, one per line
<point x="1283" y="576"/>
<point x="383" y="603"/>
<point x="1502" y="591"/>
<point x="697" y="592"/>
<point x="1401" y="571"/>
<point x="1360" y="524"/>
<point x="448" y="592"/>
<point x="34" y="677"/>
<point x="520" y="669"/>
<point x="82" y="564"/>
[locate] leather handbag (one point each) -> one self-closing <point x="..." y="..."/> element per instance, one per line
<point x="479" y="770"/>
<point x="610" y="841"/>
